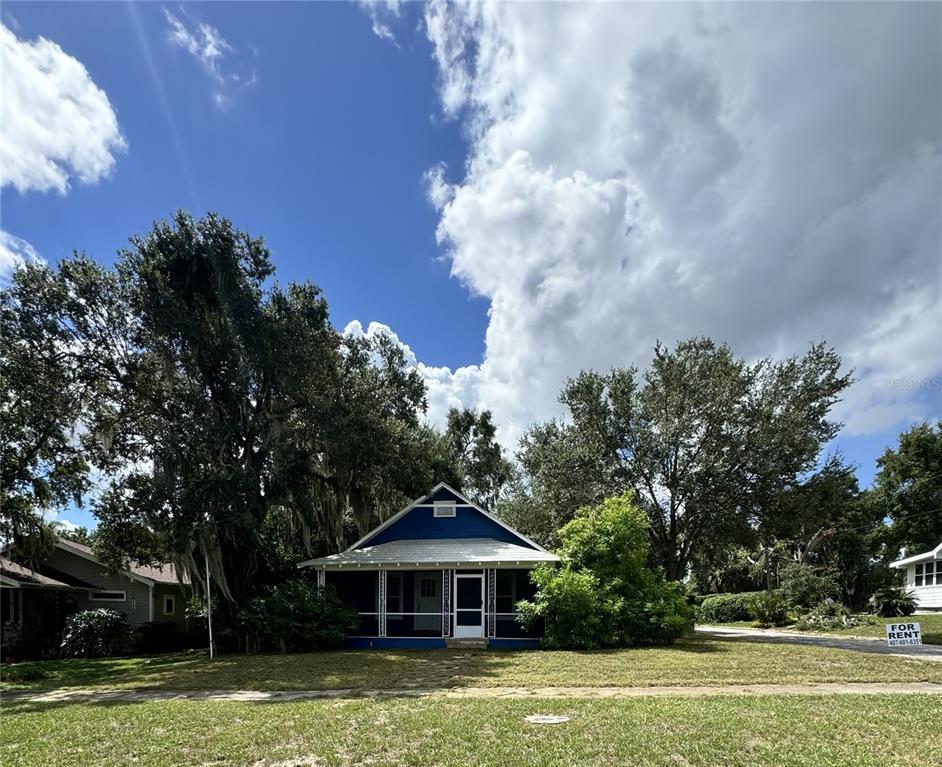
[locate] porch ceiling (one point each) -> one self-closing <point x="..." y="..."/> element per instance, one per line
<point x="452" y="552"/>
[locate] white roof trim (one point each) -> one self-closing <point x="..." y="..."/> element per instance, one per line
<point x="64" y="544"/>
<point x="12" y="583"/>
<point x="924" y="557"/>
<point x="417" y="502"/>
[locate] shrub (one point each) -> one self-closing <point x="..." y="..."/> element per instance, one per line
<point x="726" y="608"/>
<point x="21" y="674"/>
<point x="892" y="602"/>
<point x="95" y="633"/>
<point x="167" y="637"/>
<point x="296" y="616"/>
<point x="805" y="586"/>
<point x="828" y="615"/>
<point x="769" y="609"/>
<point x="604" y="595"/>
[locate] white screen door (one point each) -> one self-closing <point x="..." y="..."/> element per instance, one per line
<point x="469" y="605"/>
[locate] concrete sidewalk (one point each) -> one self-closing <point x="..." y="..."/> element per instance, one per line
<point x="857" y="644"/>
<point x="67" y="696"/>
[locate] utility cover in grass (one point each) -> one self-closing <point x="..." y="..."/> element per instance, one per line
<point x="546" y="719"/>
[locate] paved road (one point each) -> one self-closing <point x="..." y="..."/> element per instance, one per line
<point x="875" y="646"/>
<point x="65" y="696"/>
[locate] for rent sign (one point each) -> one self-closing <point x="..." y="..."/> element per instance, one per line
<point x="903" y="634"/>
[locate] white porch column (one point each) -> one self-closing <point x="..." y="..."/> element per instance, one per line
<point x="382" y="602"/>
<point x="491" y="602"/>
<point x="446" y="603"/>
<point x="321" y="578"/>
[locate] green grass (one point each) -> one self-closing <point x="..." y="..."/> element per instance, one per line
<point x="784" y="731"/>
<point x="695" y="661"/>
<point x="872" y="626"/>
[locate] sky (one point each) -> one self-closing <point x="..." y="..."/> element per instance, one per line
<point x="517" y="191"/>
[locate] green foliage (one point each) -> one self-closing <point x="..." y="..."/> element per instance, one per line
<point x="159" y="636"/>
<point x="891" y="602"/>
<point x="828" y="615"/>
<point x="804" y="586"/>
<point x="295" y="616"/>
<point x="704" y="440"/>
<point x="16" y="674"/>
<point x="769" y="609"/>
<point x="727" y="608"/>
<point x="44" y="391"/>
<point x="604" y="595"/>
<point x="908" y="488"/>
<point x="475" y="456"/>
<point x="95" y="633"/>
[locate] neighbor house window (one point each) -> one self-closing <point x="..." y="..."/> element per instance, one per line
<point x="108" y="596"/>
<point x="918" y="579"/>
<point x="11" y="605"/>
<point x="933" y="574"/>
<point x="170" y="604"/>
<point x="427" y="588"/>
<point x="444" y="508"/>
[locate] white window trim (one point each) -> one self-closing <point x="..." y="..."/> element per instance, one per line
<point x="444" y="509"/>
<point x="93" y="598"/>
<point x="173" y="604"/>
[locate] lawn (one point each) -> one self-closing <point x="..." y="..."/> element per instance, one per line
<point x="695" y="661"/>
<point x="785" y="731"/>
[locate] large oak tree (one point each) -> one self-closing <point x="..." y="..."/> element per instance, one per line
<point x="704" y="440"/>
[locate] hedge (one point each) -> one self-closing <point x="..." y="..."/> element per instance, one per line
<point x="726" y="608"/>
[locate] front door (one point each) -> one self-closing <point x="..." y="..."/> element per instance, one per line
<point x="469" y="605"/>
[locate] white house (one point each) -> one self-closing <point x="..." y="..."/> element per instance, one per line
<point x="924" y="578"/>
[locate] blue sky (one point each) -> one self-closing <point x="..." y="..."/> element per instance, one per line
<point x="520" y="191"/>
<point x="323" y="156"/>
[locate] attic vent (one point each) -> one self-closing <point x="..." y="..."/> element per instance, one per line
<point x="444" y="508"/>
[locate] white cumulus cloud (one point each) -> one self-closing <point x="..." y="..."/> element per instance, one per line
<point x="13" y="252"/>
<point x="764" y="174"/>
<point x="56" y="124"/>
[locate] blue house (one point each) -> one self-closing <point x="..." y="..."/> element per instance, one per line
<point x="441" y="572"/>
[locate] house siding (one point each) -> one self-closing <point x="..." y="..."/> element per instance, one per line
<point x="927" y="597"/>
<point x="422" y="524"/>
<point x="137" y="603"/>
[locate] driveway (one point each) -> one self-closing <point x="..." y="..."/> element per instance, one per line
<point x="875" y="646"/>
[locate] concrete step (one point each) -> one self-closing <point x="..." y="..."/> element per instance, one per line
<point x="466" y="644"/>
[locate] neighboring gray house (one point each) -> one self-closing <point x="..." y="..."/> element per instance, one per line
<point x="36" y="602"/>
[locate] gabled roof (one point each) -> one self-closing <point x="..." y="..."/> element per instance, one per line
<point x="165" y="573"/>
<point x="477" y="538"/>
<point x="449" y="552"/>
<point x="927" y="556"/>
<point x="16" y="575"/>
<point x="427" y="500"/>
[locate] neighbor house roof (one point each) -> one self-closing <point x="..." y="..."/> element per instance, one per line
<point x="926" y="556"/>
<point x="14" y="574"/>
<point x="450" y="552"/>
<point x="165" y="573"/>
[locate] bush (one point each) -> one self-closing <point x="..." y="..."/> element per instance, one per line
<point x="727" y="608"/>
<point x="96" y="633"/>
<point x="828" y="615"/>
<point x="804" y="586"/>
<point x="22" y="674"/>
<point x="769" y="609"/>
<point x="167" y="637"/>
<point x="892" y="602"/>
<point x="296" y="616"/>
<point x="604" y="595"/>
